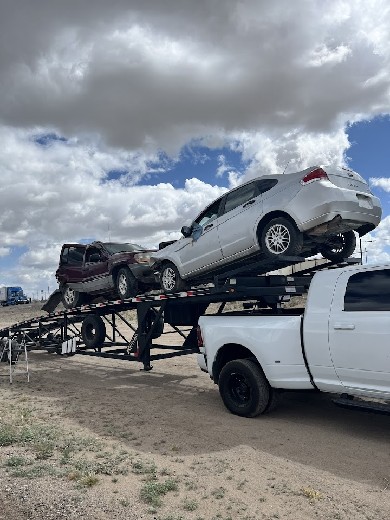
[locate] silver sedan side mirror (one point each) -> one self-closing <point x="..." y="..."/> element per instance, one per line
<point x="186" y="231"/>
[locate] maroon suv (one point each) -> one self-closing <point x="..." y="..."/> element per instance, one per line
<point x="107" y="269"/>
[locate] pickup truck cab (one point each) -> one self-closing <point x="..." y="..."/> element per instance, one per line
<point x="340" y="343"/>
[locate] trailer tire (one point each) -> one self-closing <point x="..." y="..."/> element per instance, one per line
<point x="93" y="331"/>
<point x="244" y="389"/>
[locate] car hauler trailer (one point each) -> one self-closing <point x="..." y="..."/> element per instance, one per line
<point x="105" y="329"/>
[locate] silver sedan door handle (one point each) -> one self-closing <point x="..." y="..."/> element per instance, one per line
<point x="249" y="202"/>
<point x="208" y="227"/>
<point x="344" y="326"/>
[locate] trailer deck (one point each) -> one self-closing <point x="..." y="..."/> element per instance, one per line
<point x="106" y="329"/>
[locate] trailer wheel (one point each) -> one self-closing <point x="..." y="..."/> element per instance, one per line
<point x="126" y="284"/>
<point x="93" y="331"/>
<point x="244" y="388"/>
<point x="339" y="247"/>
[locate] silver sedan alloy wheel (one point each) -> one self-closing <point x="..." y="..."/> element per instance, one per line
<point x="168" y="279"/>
<point x="278" y="239"/>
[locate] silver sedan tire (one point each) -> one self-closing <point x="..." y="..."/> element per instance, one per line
<point x="170" y="279"/>
<point x="339" y="247"/>
<point x="280" y="237"/>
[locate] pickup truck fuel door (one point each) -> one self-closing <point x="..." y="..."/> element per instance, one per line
<point x="359" y="330"/>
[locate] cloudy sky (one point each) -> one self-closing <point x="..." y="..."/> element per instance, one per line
<point x="121" y="120"/>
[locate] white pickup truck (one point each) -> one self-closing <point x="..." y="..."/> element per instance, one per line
<point x="340" y="343"/>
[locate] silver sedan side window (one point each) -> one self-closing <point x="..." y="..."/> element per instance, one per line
<point x="209" y="214"/>
<point x="240" y="196"/>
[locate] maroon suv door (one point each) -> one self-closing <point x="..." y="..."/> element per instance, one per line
<point x="96" y="276"/>
<point x="70" y="270"/>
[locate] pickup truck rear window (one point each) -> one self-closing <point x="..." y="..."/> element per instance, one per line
<point x="368" y="291"/>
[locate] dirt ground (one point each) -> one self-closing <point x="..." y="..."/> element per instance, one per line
<point x="93" y="438"/>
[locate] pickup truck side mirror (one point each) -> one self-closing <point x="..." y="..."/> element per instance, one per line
<point x="95" y="257"/>
<point x="186" y="231"/>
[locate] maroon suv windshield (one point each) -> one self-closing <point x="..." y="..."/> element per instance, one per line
<point x="112" y="248"/>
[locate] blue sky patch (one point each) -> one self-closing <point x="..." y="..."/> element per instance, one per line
<point x="370" y="145"/>
<point x="48" y="139"/>
<point x="195" y="161"/>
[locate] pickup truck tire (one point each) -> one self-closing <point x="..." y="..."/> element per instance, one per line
<point x="93" y="331"/>
<point x="244" y="389"/>
<point x="126" y="284"/>
<point x="342" y="247"/>
<point x="71" y="298"/>
<point x="170" y="279"/>
<point x="280" y="237"/>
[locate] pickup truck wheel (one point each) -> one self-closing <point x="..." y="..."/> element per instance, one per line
<point x="71" y="298"/>
<point x="339" y="247"/>
<point x="244" y="388"/>
<point x="280" y="237"/>
<point x="170" y="279"/>
<point x="126" y="284"/>
<point x="93" y="331"/>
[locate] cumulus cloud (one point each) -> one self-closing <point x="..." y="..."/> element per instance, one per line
<point x="155" y="75"/>
<point x="61" y="193"/>
<point x="380" y="182"/>
<point x="130" y="83"/>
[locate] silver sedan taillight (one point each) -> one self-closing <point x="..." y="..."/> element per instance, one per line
<point x="316" y="175"/>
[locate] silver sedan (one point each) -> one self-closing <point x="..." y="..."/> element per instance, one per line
<point x="313" y="211"/>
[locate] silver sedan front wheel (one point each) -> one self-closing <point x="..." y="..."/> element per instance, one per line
<point x="170" y="279"/>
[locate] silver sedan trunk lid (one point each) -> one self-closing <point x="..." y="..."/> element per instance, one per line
<point x="347" y="179"/>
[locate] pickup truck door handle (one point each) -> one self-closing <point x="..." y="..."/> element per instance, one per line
<point x="343" y="326"/>
<point x="209" y="227"/>
<point x="249" y="202"/>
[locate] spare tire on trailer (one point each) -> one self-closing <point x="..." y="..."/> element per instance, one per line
<point x="93" y="331"/>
